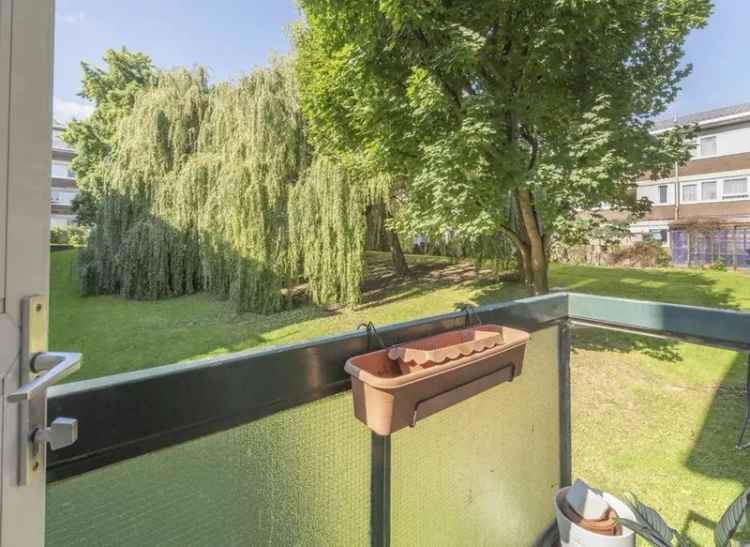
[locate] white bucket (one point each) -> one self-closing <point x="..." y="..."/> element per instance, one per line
<point x="572" y="535"/>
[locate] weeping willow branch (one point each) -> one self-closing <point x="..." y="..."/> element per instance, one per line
<point x="216" y="188"/>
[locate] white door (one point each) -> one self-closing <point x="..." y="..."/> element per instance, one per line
<point x="26" y="44"/>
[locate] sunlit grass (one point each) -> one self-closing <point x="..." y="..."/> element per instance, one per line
<point x="662" y="429"/>
<point x="649" y="416"/>
<point x="117" y="335"/>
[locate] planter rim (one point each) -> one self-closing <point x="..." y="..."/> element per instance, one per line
<point x="414" y="354"/>
<point x="514" y="339"/>
<point x="626" y="532"/>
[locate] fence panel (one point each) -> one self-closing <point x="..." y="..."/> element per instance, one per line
<point x="298" y="477"/>
<point x="730" y="246"/>
<point x="485" y="471"/>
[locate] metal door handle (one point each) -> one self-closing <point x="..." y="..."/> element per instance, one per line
<point x="54" y="365"/>
<point x="38" y="370"/>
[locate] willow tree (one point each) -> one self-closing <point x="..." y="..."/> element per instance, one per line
<point x="113" y="91"/>
<point x="505" y="116"/>
<point x="329" y="227"/>
<point x="215" y="188"/>
<point x="137" y="247"/>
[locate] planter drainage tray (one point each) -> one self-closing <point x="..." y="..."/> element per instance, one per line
<point x="398" y="386"/>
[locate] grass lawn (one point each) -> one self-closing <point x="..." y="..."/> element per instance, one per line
<point x="655" y="417"/>
<point x="118" y="335"/>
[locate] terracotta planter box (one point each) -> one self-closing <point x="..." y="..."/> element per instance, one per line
<point x="396" y="387"/>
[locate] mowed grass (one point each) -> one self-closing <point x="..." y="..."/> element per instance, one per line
<point x="118" y="335"/>
<point x="655" y="417"/>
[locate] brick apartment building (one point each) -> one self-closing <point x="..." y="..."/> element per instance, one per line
<point x="702" y="211"/>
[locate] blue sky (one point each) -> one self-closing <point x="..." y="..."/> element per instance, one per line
<point x="227" y="36"/>
<point x="233" y="36"/>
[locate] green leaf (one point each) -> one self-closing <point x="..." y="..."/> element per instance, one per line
<point x="651" y="518"/>
<point x="731" y="520"/>
<point x="682" y="541"/>
<point x="645" y="532"/>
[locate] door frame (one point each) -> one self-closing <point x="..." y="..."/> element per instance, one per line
<point x="26" y="68"/>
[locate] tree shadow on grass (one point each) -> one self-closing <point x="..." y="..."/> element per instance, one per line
<point x="427" y="274"/>
<point x="675" y="286"/>
<point x="597" y="339"/>
<point x="714" y="453"/>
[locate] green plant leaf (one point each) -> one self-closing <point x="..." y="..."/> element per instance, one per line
<point x="645" y="531"/>
<point x="731" y="520"/>
<point x="650" y="517"/>
<point x="682" y="541"/>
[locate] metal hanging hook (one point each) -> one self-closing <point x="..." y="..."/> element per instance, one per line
<point x="469" y="312"/>
<point x="372" y="333"/>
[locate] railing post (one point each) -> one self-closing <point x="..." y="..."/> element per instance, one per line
<point x="566" y="455"/>
<point x="380" y="491"/>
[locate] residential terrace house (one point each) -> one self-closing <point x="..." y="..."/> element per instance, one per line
<point x="702" y="211"/>
<point x="63" y="183"/>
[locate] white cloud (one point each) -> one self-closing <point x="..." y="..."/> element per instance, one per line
<point x="65" y="111"/>
<point x="73" y="18"/>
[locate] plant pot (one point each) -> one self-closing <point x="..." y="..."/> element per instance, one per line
<point x="448" y="346"/>
<point x="387" y="399"/>
<point x="573" y="535"/>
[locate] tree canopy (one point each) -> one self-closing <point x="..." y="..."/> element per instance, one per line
<point x="217" y="188"/>
<point x="113" y="90"/>
<point x="504" y="116"/>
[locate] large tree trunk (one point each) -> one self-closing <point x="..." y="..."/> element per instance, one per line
<point x="536" y="261"/>
<point x="526" y="273"/>
<point x="397" y="255"/>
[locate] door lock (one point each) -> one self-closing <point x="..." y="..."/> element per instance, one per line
<point x="61" y="432"/>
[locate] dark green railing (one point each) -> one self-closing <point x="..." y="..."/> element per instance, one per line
<point x="126" y="415"/>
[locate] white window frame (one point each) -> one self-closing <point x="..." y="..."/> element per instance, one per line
<point x="666" y="193"/>
<point x="68" y="169"/>
<point x="656" y="186"/>
<point x="648" y="235"/>
<point x="699" y="149"/>
<point x="697" y="192"/>
<point x="744" y="195"/>
<point x="65" y="196"/>
<point x="721" y="195"/>
<point x="717" y="183"/>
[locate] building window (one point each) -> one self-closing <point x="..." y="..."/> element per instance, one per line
<point x="690" y="192"/>
<point x="62" y="170"/>
<point x="709" y="191"/>
<point x="663" y="189"/>
<point x="708" y="146"/>
<point x="62" y="198"/>
<point x="661" y="236"/>
<point x="735" y="188"/>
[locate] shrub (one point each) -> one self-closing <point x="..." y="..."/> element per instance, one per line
<point x="644" y="254"/>
<point x="69" y="235"/>
<point x="719" y="265"/>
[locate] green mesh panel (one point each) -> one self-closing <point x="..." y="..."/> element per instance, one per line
<point x="485" y="471"/>
<point x="299" y="477"/>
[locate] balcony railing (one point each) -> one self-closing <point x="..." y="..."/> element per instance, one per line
<point x="261" y="447"/>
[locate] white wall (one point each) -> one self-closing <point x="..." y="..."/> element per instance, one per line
<point x="732" y="139"/>
<point x="651" y="191"/>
